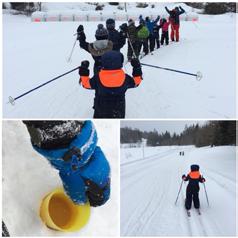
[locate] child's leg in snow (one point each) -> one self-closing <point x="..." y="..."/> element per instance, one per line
<point x="172" y="33"/>
<point x="188" y="201"/>
<point x="162" y="38"/>
<point x="196" y="201"/>
<point x="167" y="37"/>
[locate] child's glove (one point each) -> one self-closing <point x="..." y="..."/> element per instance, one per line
<point x="203" y="180"/>
<point x="80" y="29"/>
<point x="135" y="63"/>
<point x="83" y="168"/>
<point x="183" y="177"/>
<point x="83" y="69"/>
<point x="80" y="33"/>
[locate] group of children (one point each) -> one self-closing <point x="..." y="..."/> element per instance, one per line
<point x="110" y="81"/>
<point x="146" y="34"/>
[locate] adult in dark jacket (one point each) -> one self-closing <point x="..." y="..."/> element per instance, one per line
<point x="98" y="47"/>
<point x="110" y="84"/>
<point x="150" y="25"/>
<point x="175" y="21"/>
<point x="192" y="191"/>
<point x="118" y="38"/>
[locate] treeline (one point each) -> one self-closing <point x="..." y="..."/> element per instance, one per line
<point x="213" y="133"/>
<point x="213" y="8"/>
<point x="206" y="7"/>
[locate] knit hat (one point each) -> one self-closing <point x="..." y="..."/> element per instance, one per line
<point x="101" y="33"/>
<point x="194" y="167"/>
<point x="147" y="18"/>
<point x="112" y="60"/>
<point x="131" y="22"/>
<point x="110" y="24"/>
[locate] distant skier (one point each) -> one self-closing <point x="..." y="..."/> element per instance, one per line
<point x="110" y="84"/>
<point x="98" y="47"/>
<point x="175" y="21"/>
<point x="192" y="191"/>
<point x="118" y="38"/>
<point x="165" y="31"/>
<point x="150" y="25"/>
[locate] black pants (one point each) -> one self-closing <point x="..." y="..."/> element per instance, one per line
<point x="151" y="40"/>
<point x="109" y="107"/>
<point x="192" y="196"/>
<point x="165" y="37"/>
<point x="143" y="43"/>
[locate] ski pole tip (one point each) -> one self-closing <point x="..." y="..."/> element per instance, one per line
<point x="199" y="76"/>
<point x="11" y="100"/>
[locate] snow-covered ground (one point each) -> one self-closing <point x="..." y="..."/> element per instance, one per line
<point x="36" y="52"/>
<point x="28" y="177"/>
<point x="149" y="188"/>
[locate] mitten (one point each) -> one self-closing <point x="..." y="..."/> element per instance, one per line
<point x="183" y="177"/>
<point x="135" y="63"/>
<point x="83" y="69"/>
<point x="82" y="166"/>
<point x="203" y="180"/>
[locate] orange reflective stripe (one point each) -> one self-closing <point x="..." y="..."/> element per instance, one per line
<point x="194" y="174"/>
<point x="137" y="80"/>
<point x="85" y="81"/>
<point x="112" y="78"/>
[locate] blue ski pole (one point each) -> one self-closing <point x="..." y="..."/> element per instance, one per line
<point x="198" y="75"/>
<point x="12" y="100"/>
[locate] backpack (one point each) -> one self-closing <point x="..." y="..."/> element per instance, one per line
<point x="143" y="33"/>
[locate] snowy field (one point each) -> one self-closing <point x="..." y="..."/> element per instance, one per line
<point x="34" y="53"/>
<point x="28" y="177"/>
<point x="149" y="188"/>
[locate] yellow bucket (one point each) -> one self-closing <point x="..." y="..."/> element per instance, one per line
<point x="58" y="212"/>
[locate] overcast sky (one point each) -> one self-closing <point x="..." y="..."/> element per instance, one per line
<point x="160" y="126"/>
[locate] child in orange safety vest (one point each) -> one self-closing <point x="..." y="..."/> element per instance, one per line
<point x="192" y="191"/>
<point x="110" y="84"/>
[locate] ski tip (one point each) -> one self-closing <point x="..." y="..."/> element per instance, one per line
<point x="11" y="100"/>
<point x="199" y="75"/>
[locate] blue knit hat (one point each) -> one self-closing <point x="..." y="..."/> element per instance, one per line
<point x="112" y="60"/>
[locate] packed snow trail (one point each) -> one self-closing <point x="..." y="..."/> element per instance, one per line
<point x="149" y="188"/>
<point x="40" y="52"/>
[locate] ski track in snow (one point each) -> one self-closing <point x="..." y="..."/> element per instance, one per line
<point x="148" y="192"/>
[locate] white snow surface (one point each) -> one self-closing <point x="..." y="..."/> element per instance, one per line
<point x="28" y="177"/>
<point x="34" y="53"/>
<point x="149" y="188"/>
